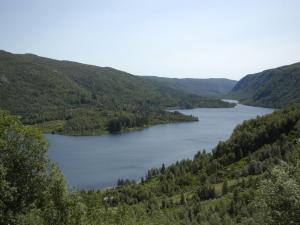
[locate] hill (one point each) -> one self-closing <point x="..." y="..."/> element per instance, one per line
<point x="213" y="87"/>
<point x="252" y="178"/>
<point x="75" y="98"/>
<point x="245" y="180"/>
<point x="271" y="88"/>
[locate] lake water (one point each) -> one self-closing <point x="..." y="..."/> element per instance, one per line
<point x="99" y="161"/>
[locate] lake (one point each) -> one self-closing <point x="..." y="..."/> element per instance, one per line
<point x="99" y="161"/>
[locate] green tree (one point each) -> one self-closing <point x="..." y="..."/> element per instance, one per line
<point x="114" y="125"/>
<point x="225" y="187"/>
<point x="23" y="166"/>
<point x="278" y="201"/>
<point x="182" y="199"/>
<point x="33" y="191"/>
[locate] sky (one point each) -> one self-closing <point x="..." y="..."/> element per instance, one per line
<point x="173" y="38"/>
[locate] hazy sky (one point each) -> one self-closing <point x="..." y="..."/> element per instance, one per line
<point x="176" y="38"/>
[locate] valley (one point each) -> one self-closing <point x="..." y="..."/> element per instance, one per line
<point x="149" y="112"/>
<point x="77" y="99"/>
<point x="171" y="151"/>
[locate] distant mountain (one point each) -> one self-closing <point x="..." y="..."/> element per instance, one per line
<point x="75" y="98"/>
<point x="213" y="87"/>
<point x="271" y="88"/>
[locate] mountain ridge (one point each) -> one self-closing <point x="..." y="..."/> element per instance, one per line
<point x="209" y="87"/>
<point x="276" y="87"/>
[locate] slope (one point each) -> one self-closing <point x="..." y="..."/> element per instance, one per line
<point x="271" y="88"/>
<point x="246" y="180"/>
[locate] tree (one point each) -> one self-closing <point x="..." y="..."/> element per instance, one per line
<point x="114" y="125"/>
<point x="23" y="165"/>
<point x="206" y="192"/>
<point x="278" y="201"/>
<point x="163" y="169"/>
<point x="225" y="187"/>
<point x="33" y="191"/>
<point x="182" y="199"/>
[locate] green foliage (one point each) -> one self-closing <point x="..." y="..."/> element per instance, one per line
<point x="23" y="165"/>
<point x="206" y="192"/>
<point x="278" y="200"/>
<point x="225" y="187"/>
<point x="33" y="191"/>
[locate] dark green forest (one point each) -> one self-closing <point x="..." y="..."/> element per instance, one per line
<point x="253" y="178"/>
<point x="72" y="98"/>
<point x="273" y="88"/>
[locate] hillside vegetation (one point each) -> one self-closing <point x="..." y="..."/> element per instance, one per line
<point x="253" y="178"/>
<point x="74" y="98"/>
<point x="271" y="88"/>
<point x="213" y="87"/>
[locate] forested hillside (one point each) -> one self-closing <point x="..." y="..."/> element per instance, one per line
<point x="271" y="88"/>
<point x="252" y="178"/>
<point x="74" y="98"/>
<point x="213" y="87"/>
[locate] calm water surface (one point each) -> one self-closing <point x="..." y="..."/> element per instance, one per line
<point x="99" y="161"/>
